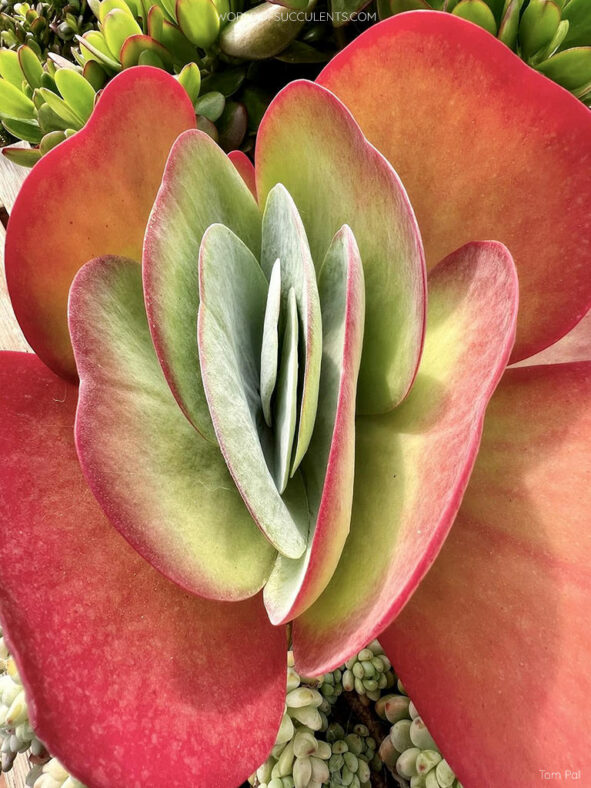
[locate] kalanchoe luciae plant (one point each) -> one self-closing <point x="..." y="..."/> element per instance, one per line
<point x="214" y="375"/>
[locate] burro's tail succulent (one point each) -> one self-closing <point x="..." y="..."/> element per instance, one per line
<point x="259" y="398"/>
<point x="553" y="36"/>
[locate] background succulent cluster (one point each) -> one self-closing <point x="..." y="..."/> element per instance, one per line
<point x="216" y="49"/>
<point x="219" y="50"/>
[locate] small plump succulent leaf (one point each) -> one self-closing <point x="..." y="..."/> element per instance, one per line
<point x="538" y="26"/>
<point x="95" y="47"/>
<point x="571" y="68"/>
<point x="42" y="252"/>
<point x="14" y="103"/>
<point x="284" y="239"/>
<point x="328" y="466"/>
<point x="136" y="652"/>
<point x="77" y="92"/>
<point x="477" y="12"/>
<point x="412" y="465"/>
<point x="496" y="610"/>
<point x="576" y="13"/>
<point x="347" y="181"/>
<point x="453" y="65"/>
<point x="10" y="69"/>
<point x="134" y="46"/>
<point x="199" y="21"/>
<point x="181" y="511"/>
<point x="200" y="187"/>
<point x="233" y="293"/>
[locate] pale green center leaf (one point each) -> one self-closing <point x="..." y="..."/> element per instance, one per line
<point x="287" y="395"/>
<point x="284" y="238"/>
<point x="328" y="466"/>
<point x="233" y="295"/>
<point x="270" y="348"/>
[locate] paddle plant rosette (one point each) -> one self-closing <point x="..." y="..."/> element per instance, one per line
<point x="275" y="424"/>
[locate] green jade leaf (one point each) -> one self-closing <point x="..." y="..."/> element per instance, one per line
<point x="117" y="27"/>
<point x="77" y="92"/>
<point x="10" y="67"/>
<point x="30" y="66"/>
<point x="15" y="104"/>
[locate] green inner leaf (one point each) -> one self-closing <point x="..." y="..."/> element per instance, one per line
<point x="233" y="294"/>
<point x="287" y="394"/>
<point x="328" y="466"/>
<point x="270" y="347"/>
<point x="284" y="238"/>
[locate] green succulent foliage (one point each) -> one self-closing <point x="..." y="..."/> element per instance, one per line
<point x="45" y="26"/>
<point x="217" y="49"/>
<point x="409" y="750"/>
<point x="311" y="751"/>
<point x="552" y="36"/>
<point x="42" y="104"/>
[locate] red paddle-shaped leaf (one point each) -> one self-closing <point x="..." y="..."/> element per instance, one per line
<point x="246" y="169"/>
<point x="486" y="148"/>
<point x="88" y="197"/>
<point x="496" y="638"/>
<point x="574" y="346"/>
<point x="412" y="465"/>
<point x="130" y="680"/>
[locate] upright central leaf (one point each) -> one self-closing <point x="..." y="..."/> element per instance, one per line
<point x="233" y="295"/>
<point x="287" y="395"/>
<point x="284" y="238"/>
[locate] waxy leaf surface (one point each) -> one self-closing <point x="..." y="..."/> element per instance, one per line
<point x="487" y="148"/>
<point x="115" y="657"/>
<point x="233" y="291"/>
<point x="286" y="408"/>
<point x="574" y="346"/>
<point x="246" y="169"/>
<point x="200" y="187"/>
<point x="159" y="482"/>
<point x="309" y="142"/>
<point x="328" y="467"/>
<point x="284" y="239"/>
<point x="494" y="645"/>
<point x="87" y="197"/>
<point x="270" y="343"/>
<point x="412" y="465"/>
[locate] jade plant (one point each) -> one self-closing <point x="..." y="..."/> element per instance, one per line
<point x="45" y="103"/>
<point x="273" y="426"/>
<point x="553" y="36"/>
<point x="44" y="26"/>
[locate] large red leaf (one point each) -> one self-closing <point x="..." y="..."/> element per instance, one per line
<point x="412" y="465"/>
<point x="495" y="647"/>
<point x="88" y="197"/>
<point x="130" y="680"/>
<point x="574" y="346"/>
<point x="486" y="148"/>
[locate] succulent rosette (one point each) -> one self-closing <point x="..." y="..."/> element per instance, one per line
<point x="280" y="409"/>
